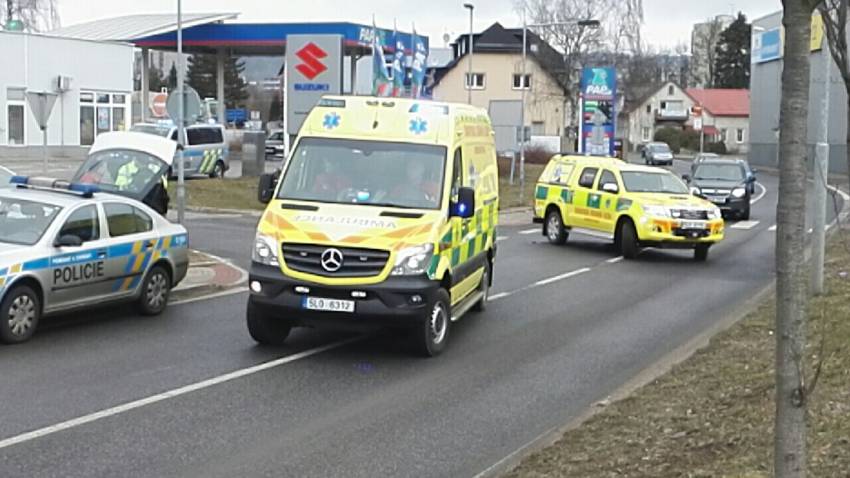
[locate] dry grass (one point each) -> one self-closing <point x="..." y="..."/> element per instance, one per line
<point x="713" y="414"/>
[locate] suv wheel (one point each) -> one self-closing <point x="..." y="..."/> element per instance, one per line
<point x="555" y="231"/>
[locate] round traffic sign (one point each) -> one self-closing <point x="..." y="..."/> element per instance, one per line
<point x="158" y="104"/>
<point x="191" y="105"/>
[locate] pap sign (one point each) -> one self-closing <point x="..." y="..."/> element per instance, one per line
<point x="598" y="106"/>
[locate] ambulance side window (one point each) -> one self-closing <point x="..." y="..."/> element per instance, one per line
<point x="83" y="223"/>
<point x="607" y="178"/>
<point x="457" y="173"/>
<point x="588" y="176"/>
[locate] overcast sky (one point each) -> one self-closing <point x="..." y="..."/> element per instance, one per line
<point x="667" y="22"/>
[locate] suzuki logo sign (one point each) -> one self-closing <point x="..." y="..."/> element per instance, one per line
<point x="311" y="56"/>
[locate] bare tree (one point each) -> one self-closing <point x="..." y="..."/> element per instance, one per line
<point x="703" y="44"/>
<point x="791" y="274"/>
<point x="36" y="15"/>
<point x="835" y="16"/>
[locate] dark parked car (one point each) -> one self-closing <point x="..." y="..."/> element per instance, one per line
<point x="657" y="153"/>
<point x="728" y="183"/>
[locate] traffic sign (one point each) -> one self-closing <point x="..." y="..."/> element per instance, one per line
<point x="159" y="104"/>
<point x="191" y="105"/>
<point x="698" y="123"/>
<point x="41" y="104"/>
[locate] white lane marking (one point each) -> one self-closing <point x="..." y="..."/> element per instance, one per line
<point x="745" y="225"/>
<point x="501" y="238"/>
<point x="109" y="412"/>
<point x="540" y="283"/>
<point x="760" y="196"/>
<point x="772" y="228"/>
<point x="530" y="231"/>
<point x="615" y="260"/>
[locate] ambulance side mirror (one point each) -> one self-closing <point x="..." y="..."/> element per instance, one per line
<point x="464" y="208"/>
<point x="265" y="191"/>
<point x="68" y="240"/>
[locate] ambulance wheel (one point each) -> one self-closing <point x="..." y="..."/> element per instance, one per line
<point x="701" y="252"/>
<point x="628" y="241"/>
<point x="218" y="170"/>
<point x="155" y="291"/>
<point x="555" y="231"/>
<point x="19" y="315"/>
<point x="264" y="328"/>
<point x="484" y="288"/>
<point x="430" y="335"/>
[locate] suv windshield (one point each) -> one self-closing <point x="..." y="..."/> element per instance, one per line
<point x="123" y="171"/>
<point x="725" y="172"/>
<point x="365" y="172"/>
<point x="151" y="129"/>
<point x="24" y="222"/>
<point x="644" y="182"/>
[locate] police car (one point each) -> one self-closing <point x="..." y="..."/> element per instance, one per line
<point x="68" y="245"/>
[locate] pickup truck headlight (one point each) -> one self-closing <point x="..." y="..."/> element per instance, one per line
<point x="656" y="211"/>
<point x="413" y="260"/>
<point x="739" y="192"/>
<point x="265" y="251"/>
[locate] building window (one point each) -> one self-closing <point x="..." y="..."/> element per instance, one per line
<point x="740" y="136"/>
<point x="538" y="128"/>
<point x="649" y="108"/>
<point x="722" y="137"/>
<point x="522" y="82"/>
<point x="671" y="90"/>
<point x="101" y="113"/>
<point x="16" y="116"/>
<point x="645" y="134"/>
<point x="477" y="81"/>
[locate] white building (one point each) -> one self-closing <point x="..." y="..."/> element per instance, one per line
<point x="95" y="95"/>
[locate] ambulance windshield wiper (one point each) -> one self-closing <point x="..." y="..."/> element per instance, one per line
<point x="387" y="204"/>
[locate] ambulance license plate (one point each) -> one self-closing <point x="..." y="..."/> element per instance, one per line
<point x="327" y="305"/>
<point x="692" y="225"/>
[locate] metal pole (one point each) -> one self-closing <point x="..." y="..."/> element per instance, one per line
<point x="821" y="172"/>
<point x="522" y="109"/>
<point x="181" y="123"/>
<point x="44" y="149"/>
<point x="469" y="67"/>
<point x="145" y="85"/>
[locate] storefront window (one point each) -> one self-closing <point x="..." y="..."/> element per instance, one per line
<point x="16" y="124"/>
<point x="101" y="113"/>
<point x="103" y="122"/>
<point x="86" y="125"/>
<point x="103" y="98"/>
<point x="118" y="119"/>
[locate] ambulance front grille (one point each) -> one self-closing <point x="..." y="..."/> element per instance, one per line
<point x="307" y="258"/>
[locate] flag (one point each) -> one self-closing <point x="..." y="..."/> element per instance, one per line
<point x="380" y="77"/>
<point x="398" y="65"/>
<point x="419" y="66"/>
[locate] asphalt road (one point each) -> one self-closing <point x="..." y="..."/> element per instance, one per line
<point x="567" y="326"/>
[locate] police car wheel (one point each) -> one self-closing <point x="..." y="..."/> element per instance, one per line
<point x="431" y="334"/>
<point x="628" y="241"/>
<point x="20" y="312"/>
<point x="555" y="231"/>
<point x="484" y="288"/>
<point x="218" y="170"/>
<point x="701" y="252"/>
<point x="155" y="291"/>
<point x="264" y="328"/>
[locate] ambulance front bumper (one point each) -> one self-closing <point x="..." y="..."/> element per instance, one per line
<point x="396" y="302"/>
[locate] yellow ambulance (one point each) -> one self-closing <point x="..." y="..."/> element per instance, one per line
<point x="633" y="206"/>
<point x="384" y="215"/>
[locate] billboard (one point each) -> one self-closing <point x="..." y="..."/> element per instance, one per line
<point x="313" y="69"/>
<point x="768" y="45"/>
<point x="598" y="111"/>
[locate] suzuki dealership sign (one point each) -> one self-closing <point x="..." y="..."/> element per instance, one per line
<point x="313" y="69"/>
<point x="598" y="107"/>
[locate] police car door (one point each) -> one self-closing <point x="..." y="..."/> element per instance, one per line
<point x="78" y="274"/>
<point x="134" y="242"/>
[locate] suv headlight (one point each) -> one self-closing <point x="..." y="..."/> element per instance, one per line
<point x="656" y="211"/>
<point x="739" y="192"/>
<point x="413" y="260"/>
<point x="265" y="251"/>
<point x="715" y="213"/>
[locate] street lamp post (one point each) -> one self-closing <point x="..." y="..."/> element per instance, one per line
<point x="471" y="9"/>
<point x="525" y="26"/>
<point x="821" y="173"/>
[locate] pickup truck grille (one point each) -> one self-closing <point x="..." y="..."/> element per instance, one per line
<point x="307" y="258"/>
<point x="693" y="214"/>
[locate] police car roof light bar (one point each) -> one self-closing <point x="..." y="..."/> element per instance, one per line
<point x="55" y="185"/>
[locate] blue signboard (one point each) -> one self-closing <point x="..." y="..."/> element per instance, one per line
<point x="598" y="107"/>
<point x="767" y="46"/>
<point x="236" y="115"/>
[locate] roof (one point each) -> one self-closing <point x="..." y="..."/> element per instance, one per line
<point x="722" y="102"/>
<point x="131" y="27"/>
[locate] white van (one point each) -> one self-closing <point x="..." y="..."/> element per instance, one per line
<point x="206" y="151"/>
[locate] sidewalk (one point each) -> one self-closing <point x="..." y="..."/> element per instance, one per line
<point x="208" y="276"/>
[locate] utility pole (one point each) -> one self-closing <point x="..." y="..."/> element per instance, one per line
<point x="821" y="172"/>
<point x="181" y="121"/>
<point x="469" y="81"/>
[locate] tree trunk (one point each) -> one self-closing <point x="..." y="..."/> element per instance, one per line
<point x="847" y="135"/>
<point x="791" y="270"/>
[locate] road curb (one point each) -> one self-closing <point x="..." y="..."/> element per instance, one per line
<point x="217" y="276"/>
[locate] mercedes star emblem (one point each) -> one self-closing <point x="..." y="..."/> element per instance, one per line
<point x="331" y="260"/>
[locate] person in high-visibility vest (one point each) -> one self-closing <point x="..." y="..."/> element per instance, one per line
<point x="126" y="174"/>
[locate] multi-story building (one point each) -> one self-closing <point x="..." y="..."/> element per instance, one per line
<point x="704" y="39"/>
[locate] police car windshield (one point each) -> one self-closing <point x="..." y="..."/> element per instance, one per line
<point x="720" y="172"/>
<point x="372" y="173"/>
<point x="643" y="182"/>
<point x="151" y="129"/>
<point x="122" y="171"/>
<point x="24" y="222"/>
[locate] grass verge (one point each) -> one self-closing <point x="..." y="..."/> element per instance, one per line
<point x="241" y="193"/>
<point x="712" y="415"/>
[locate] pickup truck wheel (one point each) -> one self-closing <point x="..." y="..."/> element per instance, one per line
<point x="264" y="328"/>
<point x="555" y="231"/>
<point x="701" y="252"/>
<point x="19" y="315"/>
<point x="430" y="335"/>
<point x="628" y="240"/>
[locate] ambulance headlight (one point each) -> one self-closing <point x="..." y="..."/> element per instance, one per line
<point x="739" y="192"/>
<point x="656" y="211"/>
<point x="265" y="251"/>
<point x="413" y="260"/>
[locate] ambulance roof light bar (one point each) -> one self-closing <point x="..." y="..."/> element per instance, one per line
<point x="56" y="185"/>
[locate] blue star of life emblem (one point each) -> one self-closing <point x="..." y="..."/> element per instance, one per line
<point x="418" y="126"/>
<point x="331" y="121"/>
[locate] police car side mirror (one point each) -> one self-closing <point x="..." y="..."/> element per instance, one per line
<point x="265" y="191"/>
<point x="464" y="208"/>
<point x="68" y="240"/>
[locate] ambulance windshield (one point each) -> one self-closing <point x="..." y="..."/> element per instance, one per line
<point x="372" y="173"/>
<point x="24" y="222"/>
